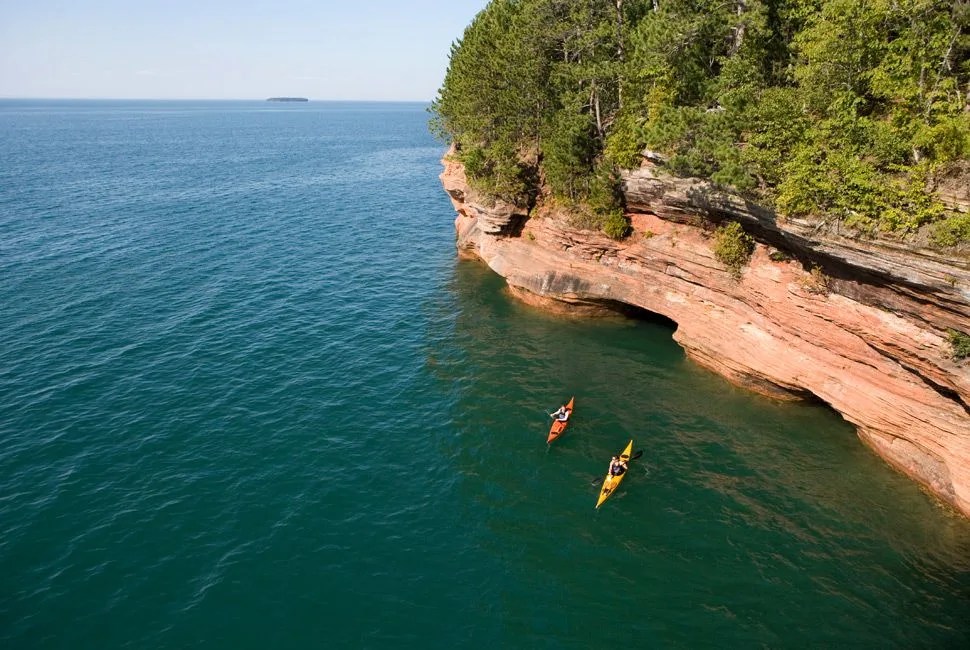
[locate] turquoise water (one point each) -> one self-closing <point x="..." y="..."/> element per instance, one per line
<point x="251" y="399"/>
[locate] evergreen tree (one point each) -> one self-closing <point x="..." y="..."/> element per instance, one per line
<point x="835" y="109"/>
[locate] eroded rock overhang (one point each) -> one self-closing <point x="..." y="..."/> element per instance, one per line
<point x="871" y="342"/>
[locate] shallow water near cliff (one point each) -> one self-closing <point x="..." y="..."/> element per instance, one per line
<point x="250" y="398"/>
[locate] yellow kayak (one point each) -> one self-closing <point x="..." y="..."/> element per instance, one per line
<point x="612" y="482"/>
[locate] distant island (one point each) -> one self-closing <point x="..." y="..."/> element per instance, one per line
<point x="287" y="99"/>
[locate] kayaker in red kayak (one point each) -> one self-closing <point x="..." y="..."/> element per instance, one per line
<point x="562" y="414"/>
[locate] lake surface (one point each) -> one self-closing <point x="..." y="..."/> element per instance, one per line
<point x="249" y="398"/>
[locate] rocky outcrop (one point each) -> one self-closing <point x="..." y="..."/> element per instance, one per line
<point x="815" y="314"/>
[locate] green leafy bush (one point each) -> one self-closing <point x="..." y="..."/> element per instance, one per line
<point x="615" y="225"/>
<point x="959" y="344"/>
<point x="497" y="171"/>
<point x="624" y="141"/>
<point x="952" y="231"/>
<point x="733" y="247"/>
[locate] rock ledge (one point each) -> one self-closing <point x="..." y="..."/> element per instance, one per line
<point x="866" y="332"/>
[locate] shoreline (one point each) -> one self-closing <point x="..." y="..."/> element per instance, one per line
<point x="871" y="343"/>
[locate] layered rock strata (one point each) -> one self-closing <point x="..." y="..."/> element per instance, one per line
<point x="815" y="314"/>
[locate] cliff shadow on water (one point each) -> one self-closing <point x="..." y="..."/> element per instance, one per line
<point x="769" y="512"/>
<point x="631" y="378"/>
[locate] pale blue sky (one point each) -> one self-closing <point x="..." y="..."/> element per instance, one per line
<point x="228" y="49"/>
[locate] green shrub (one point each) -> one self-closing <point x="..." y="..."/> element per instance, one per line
<point x="952" y="231"/>
<point x="733" y="247"/>
<point x="615" y="225"/>
<point x="496" y="171"/>
<point x="959" y="344"/>
<point x="623" y="144"/>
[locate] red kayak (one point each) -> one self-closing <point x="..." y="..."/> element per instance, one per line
<point x="559" y="426"/>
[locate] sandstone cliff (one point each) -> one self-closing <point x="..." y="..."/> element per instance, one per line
<point x="865" y="333"/>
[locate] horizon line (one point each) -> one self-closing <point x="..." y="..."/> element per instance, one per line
<point x="213" y="99"/>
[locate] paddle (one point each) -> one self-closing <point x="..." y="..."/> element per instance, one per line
<point x="633" y="457"/>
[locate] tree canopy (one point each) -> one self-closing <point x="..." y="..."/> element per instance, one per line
<point x="833" y="109"/>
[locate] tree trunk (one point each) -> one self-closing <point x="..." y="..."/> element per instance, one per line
<point x="738" y="36"/>
<point x="619" y="53"/>
<point x="594" y="99"/>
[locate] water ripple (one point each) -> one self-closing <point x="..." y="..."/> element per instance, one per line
<point x="250" y="399"/>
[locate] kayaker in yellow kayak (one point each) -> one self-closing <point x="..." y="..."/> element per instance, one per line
<point x="616" y="472"/>
<point x="617" y="466"/>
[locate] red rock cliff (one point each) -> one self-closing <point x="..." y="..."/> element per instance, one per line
<point x="867" y="335"/>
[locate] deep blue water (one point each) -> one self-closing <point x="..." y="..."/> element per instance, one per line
<point x="249" y="398"/>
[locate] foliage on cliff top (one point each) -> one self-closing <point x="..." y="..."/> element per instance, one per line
<point x="833" y="109"/>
